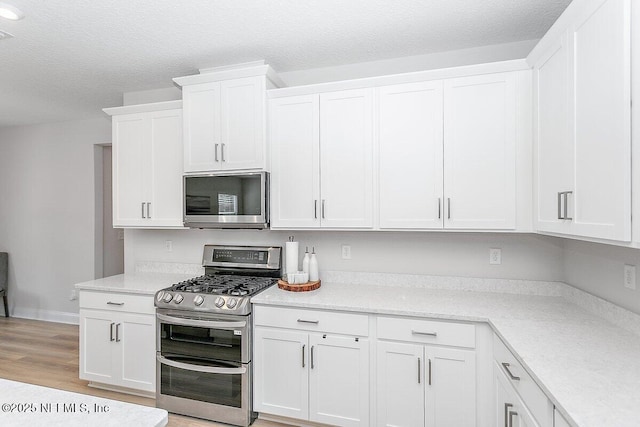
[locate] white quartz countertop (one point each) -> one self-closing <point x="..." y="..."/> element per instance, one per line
<point x="135" y="283"/>
<point x="31" y="405"/>
<point x="588" y="367"/>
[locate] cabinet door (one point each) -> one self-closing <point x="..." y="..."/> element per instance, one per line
<point x="130" y="173"/>
<point x="410" y="155"/>
<point x="339" y="380"/>
<point x="97" y="335"/>
<point x="450" y="387"/>
<point x="554" y="144"/>
<point x="400" y="384"/>
<point x="242" y="123"/>
<point x="295" y="161"/>
<point x="510" y="409"/>
<point x="166" y="152"/>
<point x="201" y="106"/>
<point x="135" y="347"/>
<point x="479" y="152"/>
<point x="346" y="158"/>
<point x="281" y="376"/>
<point x="600" y="41"/>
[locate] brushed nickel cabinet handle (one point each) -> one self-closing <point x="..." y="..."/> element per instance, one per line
<point x="323" y="202"/>
<point x="439" y="208"/>
<point x="506" y="368"/>
<point x="117" y="332"/>
<point x="511" y="414"/>
<point x="149" y="210"/>
<point x="142" y="207"/>
<point x="448" y="208"/>
<point x="429" y="371"/>
<point x="115" y="303"/>
<point x="222" y="152"/>
<point x="315" y="322"/>
<point x="315" y="209"/>
<point x="430" y="334"/>
<point x="566" y="205"/>
<point x="506" y="413"/>
<point x="312" y="365"/>
<point x="303" y="347"/>
<point x="216" y="151"/>
<point x="560" y="193"/>
<point x="111" y="331"/>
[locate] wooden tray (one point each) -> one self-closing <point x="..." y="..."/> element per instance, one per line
<point x="301" y="287"/>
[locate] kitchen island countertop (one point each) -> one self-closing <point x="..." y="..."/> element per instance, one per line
<point x="32" y="405"/>
<point x="588" y="367"/>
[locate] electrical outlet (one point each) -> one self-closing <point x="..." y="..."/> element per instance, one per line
<point x="73" y="295"/>
<point x="630" y="276"/>
<point x="346" y="252"/>
<point x="495" y="256"/>
<point x="168" y="244"/>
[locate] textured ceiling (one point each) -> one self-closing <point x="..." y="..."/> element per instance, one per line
<point x="69" y="59"/>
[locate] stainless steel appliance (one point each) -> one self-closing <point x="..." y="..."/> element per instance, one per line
<point x="204" y="334"/>
<point x="226" y="200"/>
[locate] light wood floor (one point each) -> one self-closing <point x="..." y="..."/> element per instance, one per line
<point x="46" y="354"/>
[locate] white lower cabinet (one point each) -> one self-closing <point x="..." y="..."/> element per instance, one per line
<point x="510" y="409"/>
<point x="420" y="385"/>
<point x="117" y="348"/>
<point x="519" y="400"/>
<point x="307" y="373"/>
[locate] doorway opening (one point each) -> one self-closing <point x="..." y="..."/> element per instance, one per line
<point x="109" y="254"/>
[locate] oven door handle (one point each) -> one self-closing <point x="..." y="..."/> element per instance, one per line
<point x="200" y="323"/>
<point x="198" y="368"/>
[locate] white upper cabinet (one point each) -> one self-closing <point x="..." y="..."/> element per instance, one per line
<point x="225" y="117"/>
<point x="554" y="149"/>
<point x="479" y="152"/>
<point x="410" y="135"/>
<point x="322" y="160"/>
<point x="295" y="161"/>
<point x="583" y="114"/>
<point x="147" y="165"/>
<point x="346" y="153"/>
<point x="447" y="153"/>
<point x="224" y="125"/>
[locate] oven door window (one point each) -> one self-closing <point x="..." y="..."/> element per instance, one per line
<point x="201" y="343"/>
<point x="211" y="382"/>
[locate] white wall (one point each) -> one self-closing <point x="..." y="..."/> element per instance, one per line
<point x="47" y="213"/>
<point x="455" y="254"/>
<point x="455" y="58"/>
<point x="599" y="270"/>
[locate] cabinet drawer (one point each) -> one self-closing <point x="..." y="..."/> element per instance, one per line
<point x="533" y="397"/>
<point x="427" y="331"/>
<point x="114" y="301"/>
<point x="312" y="320"/>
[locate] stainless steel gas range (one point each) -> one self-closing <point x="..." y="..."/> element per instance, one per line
<point x="204" y="334"/>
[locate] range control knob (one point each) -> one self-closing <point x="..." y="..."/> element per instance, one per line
<point x="178" y="299"/>
<point x="159" y="296"/>
<point x="167" y="297"/>
<point x="232" y="302"/>
<point x="219" y="302"/>
<point x="198" y="300"/>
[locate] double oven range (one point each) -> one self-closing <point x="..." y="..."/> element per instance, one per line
<point x="204" y="337"/>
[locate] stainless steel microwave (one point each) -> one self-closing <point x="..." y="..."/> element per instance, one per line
<point x="226" y="200"/>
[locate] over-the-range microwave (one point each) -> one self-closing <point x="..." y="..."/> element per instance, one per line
<point x="226" y="200"/>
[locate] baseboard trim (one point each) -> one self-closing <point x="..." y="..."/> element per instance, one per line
<point x="46" y="315"/>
